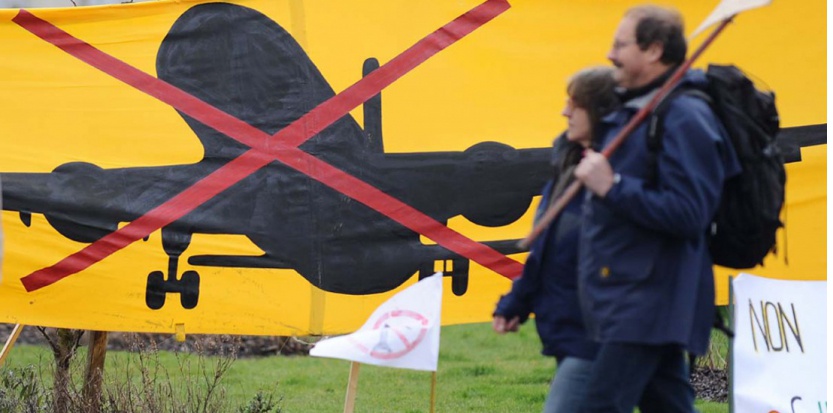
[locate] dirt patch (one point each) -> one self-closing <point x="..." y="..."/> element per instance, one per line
<point x="711" y="384"/>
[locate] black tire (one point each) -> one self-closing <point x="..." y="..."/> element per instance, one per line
<point x="155" y="292"/>
<point x="190" y="289"/>
<point x="460" y="277"/>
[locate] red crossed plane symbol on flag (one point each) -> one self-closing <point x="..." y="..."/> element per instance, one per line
<point x="265" y="148"/>
<point x="409" y="328"/>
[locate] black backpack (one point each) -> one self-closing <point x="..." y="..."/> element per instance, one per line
<point x="743" y="229"/>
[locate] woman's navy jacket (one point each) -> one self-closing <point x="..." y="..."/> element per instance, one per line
<point x="645" y="272"/>
<point x="548" y="287"/>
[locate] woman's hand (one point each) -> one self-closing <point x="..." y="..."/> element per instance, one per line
<point x="502" y="326"/>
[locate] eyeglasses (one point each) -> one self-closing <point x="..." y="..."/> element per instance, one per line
<point x="620" y="44"/>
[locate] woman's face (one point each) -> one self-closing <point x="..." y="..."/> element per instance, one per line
<point x="578" y="123"/>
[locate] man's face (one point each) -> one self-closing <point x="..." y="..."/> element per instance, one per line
<point x="631" y="62"/>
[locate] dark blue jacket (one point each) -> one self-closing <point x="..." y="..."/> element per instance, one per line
<point x="548" y="287"/>
<point x="645" y="272"/>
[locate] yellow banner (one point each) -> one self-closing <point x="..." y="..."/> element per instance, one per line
<point x="121" y="120"/>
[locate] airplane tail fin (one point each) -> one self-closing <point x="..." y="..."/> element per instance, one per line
<point x="373" y="113"/>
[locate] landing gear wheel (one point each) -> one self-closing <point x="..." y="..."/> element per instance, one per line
<point x="460" y="277"/>
<point x="155" y="292"/>
<point x="190" y="289"/>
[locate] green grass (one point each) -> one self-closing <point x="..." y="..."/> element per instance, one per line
<point x="479" y="371"/>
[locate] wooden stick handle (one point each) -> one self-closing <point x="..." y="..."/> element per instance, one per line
<point x="550" y="214"/>
<point x="433" y="390"/>
<point x="352" y="386"/>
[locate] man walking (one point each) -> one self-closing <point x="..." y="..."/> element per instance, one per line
<point x="645" y="273"/>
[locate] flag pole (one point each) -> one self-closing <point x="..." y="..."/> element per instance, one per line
<point x="433" y="390"/>
<point x="731" y="351"/>
<point x="352" y="385"/>
<point x="10" y="342"/>
<point x="558" y="205"/>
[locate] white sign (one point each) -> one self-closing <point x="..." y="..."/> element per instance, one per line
<point x="780" y="346"/>
<point x="403" y="332"/>
<point x="726" y="9"/>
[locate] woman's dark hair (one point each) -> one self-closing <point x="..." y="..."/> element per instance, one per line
<point x="591" y="89"/>
<point x="660" y="25"/>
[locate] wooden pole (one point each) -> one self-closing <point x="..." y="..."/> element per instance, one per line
<point x="731" y="352"/>
<point x="352" y="385"/>
<point x="433" y="390"/>
<point x="96" y="352"/>
<point x="10" y="342"/>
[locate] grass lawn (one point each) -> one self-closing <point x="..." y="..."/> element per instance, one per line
<point x="479" y="371"/>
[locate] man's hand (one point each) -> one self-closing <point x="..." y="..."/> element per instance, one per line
<point x="595" y="173"/>
<point x="502" y="326"/>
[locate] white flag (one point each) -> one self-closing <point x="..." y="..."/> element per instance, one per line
<point x="403" y="332"/>
<point x="726" y="9"/>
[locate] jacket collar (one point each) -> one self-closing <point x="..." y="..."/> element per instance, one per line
<point x="637" y="98"/>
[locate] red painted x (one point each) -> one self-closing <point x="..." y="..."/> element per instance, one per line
<point x="281" y="146"/>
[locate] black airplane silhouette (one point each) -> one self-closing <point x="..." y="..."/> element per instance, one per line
<point x="245" y="64"/>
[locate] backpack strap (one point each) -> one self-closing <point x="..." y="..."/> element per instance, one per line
<point x="656" y="124"/>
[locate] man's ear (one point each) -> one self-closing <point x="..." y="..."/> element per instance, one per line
<point x="654" y="51"/>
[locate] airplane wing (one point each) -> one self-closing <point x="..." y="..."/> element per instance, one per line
<point x="791" y="140"/>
